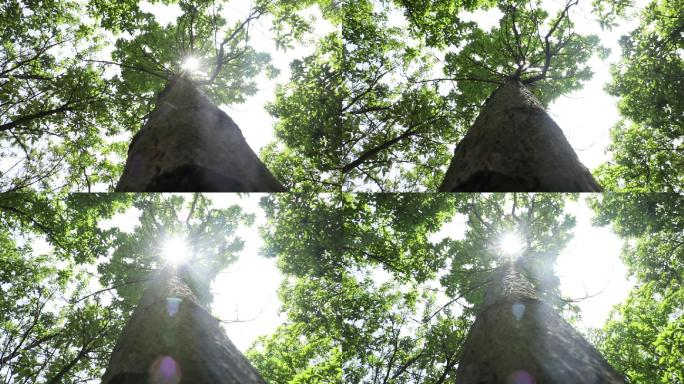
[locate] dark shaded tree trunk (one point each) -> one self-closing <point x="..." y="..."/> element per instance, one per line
<point x="190" y="145"/>
<point x="515" y="146"/>
<point x="171" y="338"/>
<point x="517" y="338"/>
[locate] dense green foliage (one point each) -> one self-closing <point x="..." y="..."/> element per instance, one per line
<point x="306" y="155"/>
<point x="384" y="300"/>
<point x="63" y="305"/>
<point x="396" y="121"/>
<point x="52" y="101"/>
<point x="78" y="79"/>
<point x="647" y="149"/>
<point x="644" y="338"/>
<point x="47" y="334"/>
<point x="309" y="347"/>
<point x="377" y="288"/>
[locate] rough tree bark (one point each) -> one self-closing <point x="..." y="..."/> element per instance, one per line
<point x="517" y="338"/>
<point x="172" y="339"/>
<point x="190" y="145"/>
<point x="515" y="146"/>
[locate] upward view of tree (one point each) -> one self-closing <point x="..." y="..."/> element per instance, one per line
<point x="69" y="95"/>
<point x="377" y="104"/>
<point x="402" y="304"/>
<point x="64" y="310"/>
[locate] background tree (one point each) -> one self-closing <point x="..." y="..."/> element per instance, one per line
<point x="48" y="333"/>
<point x="647" y="143"/>
<point x="52" y="101"/>
<point x="306" y="155"/>
<point x="651" y="317"/>
<point x="310" y="346"/>
<point x="306" y="152"/>
<point x="395" y="120"/>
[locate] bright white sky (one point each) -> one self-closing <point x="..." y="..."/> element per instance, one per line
<point x="589" y="265"/>
<point x="247" y="290"/>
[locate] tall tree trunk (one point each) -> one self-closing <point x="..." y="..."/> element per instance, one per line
<point x="172" y="339"/>
<point x="516" y="338"/>
<point x="190" y="145"/>
<point x="515" y="146"/>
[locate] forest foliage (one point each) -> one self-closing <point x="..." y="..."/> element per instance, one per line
<point x="65" y="302"/>
<point x="378" y="105"/>
<point x="376" y="288"/>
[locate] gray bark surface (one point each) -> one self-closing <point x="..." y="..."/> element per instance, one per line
<point x="517" y="338"/>
<point x="176" y="343"/>
<point x="515" y="146"/>
<point x="190" y="145"/>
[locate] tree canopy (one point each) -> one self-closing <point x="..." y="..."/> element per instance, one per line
<point x="64" y="306"/>
<point x="78" y="78"/>
<point x="378" y="105"/>
<point x="647" y="143"/>
<point x="377" y="288"/>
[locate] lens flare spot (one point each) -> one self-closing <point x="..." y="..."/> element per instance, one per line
<point x="172" y="304"/>
<point x="520" y="377"/>
<point x="165" y="370"/>
<point x="518" y="310"/>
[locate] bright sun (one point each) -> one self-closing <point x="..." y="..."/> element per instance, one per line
<point x="190" y="63"/>
<point x="175" y="250"/>
<point x="511" y="244"/>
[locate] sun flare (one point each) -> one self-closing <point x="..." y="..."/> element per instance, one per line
<point x="175" y="251"/>
<point x="190" y="64"/>
<point x="511" y="244"/>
